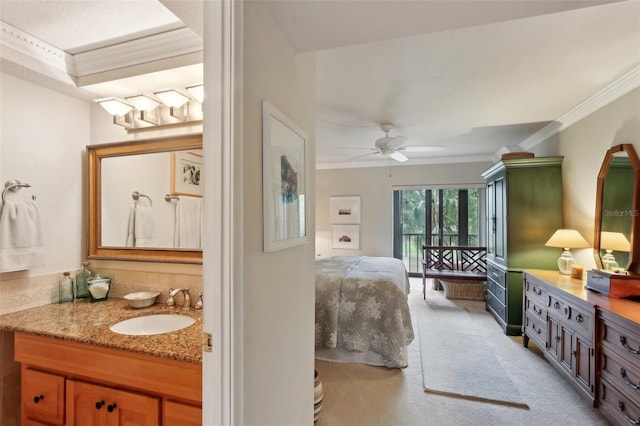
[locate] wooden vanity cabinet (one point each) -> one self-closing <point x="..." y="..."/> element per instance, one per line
<point x="42" y="397"/>
<point x="65" y="383"/>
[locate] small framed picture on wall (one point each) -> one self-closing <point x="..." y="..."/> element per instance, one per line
<point x="346" y="237"/>
<point x="345" y="209"/>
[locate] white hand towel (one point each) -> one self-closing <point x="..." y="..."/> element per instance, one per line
<point x="188" y="233"/>
<point x="131" y="236"/>
<point x="21" y="241"/>
<point x="143" y="226"/>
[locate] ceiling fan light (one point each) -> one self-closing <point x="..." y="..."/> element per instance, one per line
<point x="398" y="156"/>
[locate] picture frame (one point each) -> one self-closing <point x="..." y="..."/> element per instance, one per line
<point x="187" y="173"/>
<point x="346" y="237"/>
<point x="345" y="210"/>
<point x="284" y="193"/>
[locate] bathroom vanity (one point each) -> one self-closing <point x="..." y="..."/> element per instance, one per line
<point x="74" y="368"/>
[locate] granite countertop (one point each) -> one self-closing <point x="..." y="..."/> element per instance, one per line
<point x="85" y="322"/>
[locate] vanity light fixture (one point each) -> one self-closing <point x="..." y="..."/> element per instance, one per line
<point x="147" y="108"/>
<point x="566" y="239"/>
<point x="197" y="91"/>
<point x="610" y="241"/>
<point x="119" y="109"/>
<point x="177" y="102"/>
<point x="161" y="108"/>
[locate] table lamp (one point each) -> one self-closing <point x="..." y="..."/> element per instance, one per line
<point x="610" y="241"/>
<point x="566" y="239"/>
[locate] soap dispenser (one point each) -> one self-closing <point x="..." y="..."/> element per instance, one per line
<point x="65" y="289"/>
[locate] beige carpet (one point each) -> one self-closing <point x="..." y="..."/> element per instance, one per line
<point x="459" y="353"/>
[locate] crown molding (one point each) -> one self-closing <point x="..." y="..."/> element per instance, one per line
<point x="157" y="47"/>
<point x="33" y="48"/>
<point x="619" y="87"/>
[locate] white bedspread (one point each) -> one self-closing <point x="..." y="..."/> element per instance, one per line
<point x="361" y="306"/>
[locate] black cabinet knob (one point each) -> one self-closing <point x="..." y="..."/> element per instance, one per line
<point x="38" y="398"/>
<point x="112" y="407"/>
<point x="99" y="405"/>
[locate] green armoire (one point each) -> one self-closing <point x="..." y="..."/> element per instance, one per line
<point x="524" y="208"/>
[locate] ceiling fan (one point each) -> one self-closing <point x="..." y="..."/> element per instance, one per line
<point x="392" y="145"/>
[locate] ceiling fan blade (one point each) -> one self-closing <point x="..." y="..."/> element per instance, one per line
<point x="356" y="147"/>
<point x="362" y="156"/>
<point x="398" y="156"/>
<point x="395" y="142"/>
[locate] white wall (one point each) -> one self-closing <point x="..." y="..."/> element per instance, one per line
<point x="278" y="288"/>
<point x="375" y="187"/>
<point x="42" y="139"/>
<point x="584" y="146"/>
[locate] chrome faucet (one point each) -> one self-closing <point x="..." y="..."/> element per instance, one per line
<point x="186" y="302"/>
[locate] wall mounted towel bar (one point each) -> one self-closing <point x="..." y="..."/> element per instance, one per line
<point x="14" y="185"/>
<point x="168" y="198"/>
<point x="136" y="195"/>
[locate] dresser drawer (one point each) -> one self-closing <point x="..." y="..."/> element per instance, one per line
<point x="579" y="319"/>
<point x="535" y="329"/>
<point x="536" y="309"/>
<point x="620" y="409"/>
<point x="496" y="274"/>
<point x="535" y="290"/>
<point x="620" y="340"/>
<point x="621" y="374"/>
<point x="497" y="307"/>
<point x="500" y="293"/>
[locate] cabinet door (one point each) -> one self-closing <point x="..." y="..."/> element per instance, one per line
<point x="491" y="219"/>
<point x="553" y="337"/>
<point x="501" y="219"/>
<point x="175" y="413"/>
<point x="566" y="348"/>
<point x="583" y="365"/>
<point x="89" y="404"/>
<point x="42" y="397"/>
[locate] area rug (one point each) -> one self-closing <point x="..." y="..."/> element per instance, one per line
<point x="460" y="349"/>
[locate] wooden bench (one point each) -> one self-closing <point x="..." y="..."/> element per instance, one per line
<point x="459" y="263"/>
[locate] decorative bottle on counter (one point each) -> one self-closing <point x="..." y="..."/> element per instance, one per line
<point x="82" y="278"/>
<point x="65" y="289"/>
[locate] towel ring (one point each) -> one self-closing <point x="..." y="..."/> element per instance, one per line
<point x="136" y="195"/>
<point x="168" y="198"/>
<point x="13" y="185"/>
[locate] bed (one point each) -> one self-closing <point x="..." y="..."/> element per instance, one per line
<point x="362" y="313"/>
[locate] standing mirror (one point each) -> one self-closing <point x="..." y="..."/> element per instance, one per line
<point x="616" y="243"/>
<point x="145" y="200"/>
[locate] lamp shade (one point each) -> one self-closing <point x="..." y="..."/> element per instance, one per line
<point x="143" y="103"/>
<point x="172" y="98"/>
<point x="567" y="238"/>
<point x="614" y="241"/>
<point x="197" y="91"/>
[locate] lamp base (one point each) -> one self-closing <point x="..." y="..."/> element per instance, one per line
<point x="565" y="261"/>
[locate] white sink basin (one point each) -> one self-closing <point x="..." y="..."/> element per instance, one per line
<point x="152" y="324"/>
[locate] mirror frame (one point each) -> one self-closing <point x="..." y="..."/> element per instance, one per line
<point x="634" y="254"/>
<point x="95" y="153"/>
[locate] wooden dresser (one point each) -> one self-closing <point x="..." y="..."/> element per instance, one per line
<point x="592" y="340"/>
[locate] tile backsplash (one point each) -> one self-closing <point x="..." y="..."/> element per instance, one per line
<point x="19" y="293"/>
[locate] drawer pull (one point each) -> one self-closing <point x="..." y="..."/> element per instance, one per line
<point x="112" y="407"/>
<point x="537" y="291"/>
<point x="556" y="305"/>
<point x="623" y="342"/>
<point x="536" y="329"/>
<point x="579" y="318"/>
<point x="38" y="398"/>
<point x="627" y="418"/>
<point x="537" y="310"/>
<point x="557" y="338"/>
<point x="99" y="405"/>
<point x="625" y="379"/>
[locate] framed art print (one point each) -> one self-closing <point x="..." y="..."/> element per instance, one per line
<point x="345" y="209"/>
<point x="187" y="173"/>
<point x="346" y="237"/>
<point x="284" y="181"/>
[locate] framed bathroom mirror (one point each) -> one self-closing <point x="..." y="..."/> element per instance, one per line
<point x="617" y="221"/>
<point x="145" y="200"/>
